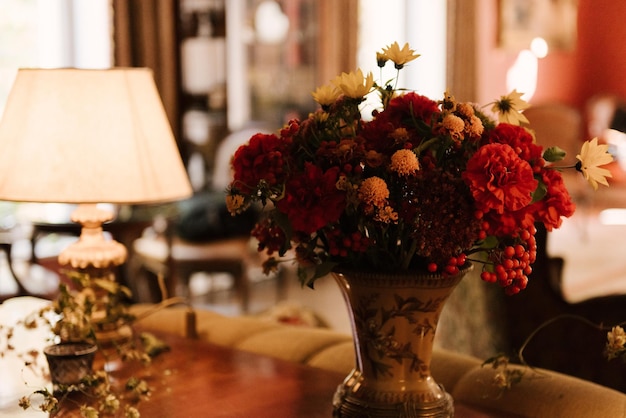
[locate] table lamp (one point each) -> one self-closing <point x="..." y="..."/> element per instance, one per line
<point x="87" y="137"/>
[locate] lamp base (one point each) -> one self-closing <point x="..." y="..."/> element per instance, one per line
<point x="92" y="248"/>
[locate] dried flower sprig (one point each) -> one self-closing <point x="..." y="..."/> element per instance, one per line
<point x="72" y="317"/>
<point x="505" y="377"/>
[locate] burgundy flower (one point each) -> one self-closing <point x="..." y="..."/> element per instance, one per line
<point x="260" y="159"/>
<point x="409" y="106"/>
<point x="312" y="199"/>
<point x="411" y="111"/>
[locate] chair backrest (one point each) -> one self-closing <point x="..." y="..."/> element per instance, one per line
<point x="557" y="124"/>
<point x="599" y="112"/>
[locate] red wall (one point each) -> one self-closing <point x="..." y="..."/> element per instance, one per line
<point x="601" y="52"/>
<point x="597" y="65"/>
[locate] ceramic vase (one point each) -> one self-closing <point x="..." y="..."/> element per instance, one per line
<point x="394" y="319"/>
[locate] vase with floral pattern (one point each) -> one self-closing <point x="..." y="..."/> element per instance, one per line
<point x="394" y="319"/>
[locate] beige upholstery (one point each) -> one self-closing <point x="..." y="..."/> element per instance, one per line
<point x="557" y="124"/>
<point x="540" y="394"/>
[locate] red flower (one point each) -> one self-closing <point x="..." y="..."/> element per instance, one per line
<point x="402" y="112"/>
<point x="312" y="199"/>
<point x="499" y="179"/>
<point x="261" y="159"/>
<point x="520" y="140"/>
<point x="557" y="203"/>
<point x="510" y="223"/>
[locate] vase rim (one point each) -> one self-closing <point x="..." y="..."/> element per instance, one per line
<point x="70" y="349"/>
<point x="424" y="274"/>
<point x="402" y="278"/>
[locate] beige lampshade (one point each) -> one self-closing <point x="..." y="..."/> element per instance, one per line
<point x="88" y="136"/>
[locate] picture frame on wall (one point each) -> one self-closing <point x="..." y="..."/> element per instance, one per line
<point x="521" y="21"/>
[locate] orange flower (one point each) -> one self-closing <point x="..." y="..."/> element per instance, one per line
<point x="404" y="162"/>
<point x="373" y="191"/>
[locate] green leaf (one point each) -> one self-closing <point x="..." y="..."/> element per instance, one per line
<point x="308" y="276"/>
<point x="108" y="285"/>
<point x="540" y="191"/>
<point x="554" y="154"/>
<point x="490" y="242"/>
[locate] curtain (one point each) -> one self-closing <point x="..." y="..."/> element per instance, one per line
<point x="145" y="35"/>
<point x="338" y="23"/>
<point x="461" y="54"/>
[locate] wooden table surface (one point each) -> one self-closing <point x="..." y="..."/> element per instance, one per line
<point x="198" y="379"/>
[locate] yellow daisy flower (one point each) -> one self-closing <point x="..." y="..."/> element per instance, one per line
<point x="592" y="156"/>
<point x="326" y="95"/>
<point x="354" y="84"/>
<point x="509" y="108"/>
<point x="399" y="56"/>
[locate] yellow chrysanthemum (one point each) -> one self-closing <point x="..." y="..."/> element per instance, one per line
<point x="373" y="191"/>
<point x="400" y="134"/>
<point x="591" y="157"/>
<point x="453" y="125"/>
<point x="404" y="162"/>
<point x="354" y="84"/>
<point x="475" y="127"/>
<point x="509" y="108"/>
<point x="399" y="56"/>
<point x="465" y="109"/>
<point x="387" y="215"/>
<point x="326" y="95"/>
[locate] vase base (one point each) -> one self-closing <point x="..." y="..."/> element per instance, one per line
<point x="347" y="406"/>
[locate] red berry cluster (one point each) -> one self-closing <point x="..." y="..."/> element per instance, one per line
<point x="340" y="245"/>
<point x="513" y="263"/>
<point x="452" y="266"/>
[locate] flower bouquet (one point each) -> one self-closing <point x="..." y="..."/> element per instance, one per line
<point x="417" y="185"/>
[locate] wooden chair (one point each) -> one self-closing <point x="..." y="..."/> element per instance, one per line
<point x="559" y="124"/>
<point x="162" y="253"/>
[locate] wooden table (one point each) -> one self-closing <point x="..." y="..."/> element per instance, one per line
<point x="199" y="379"/>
